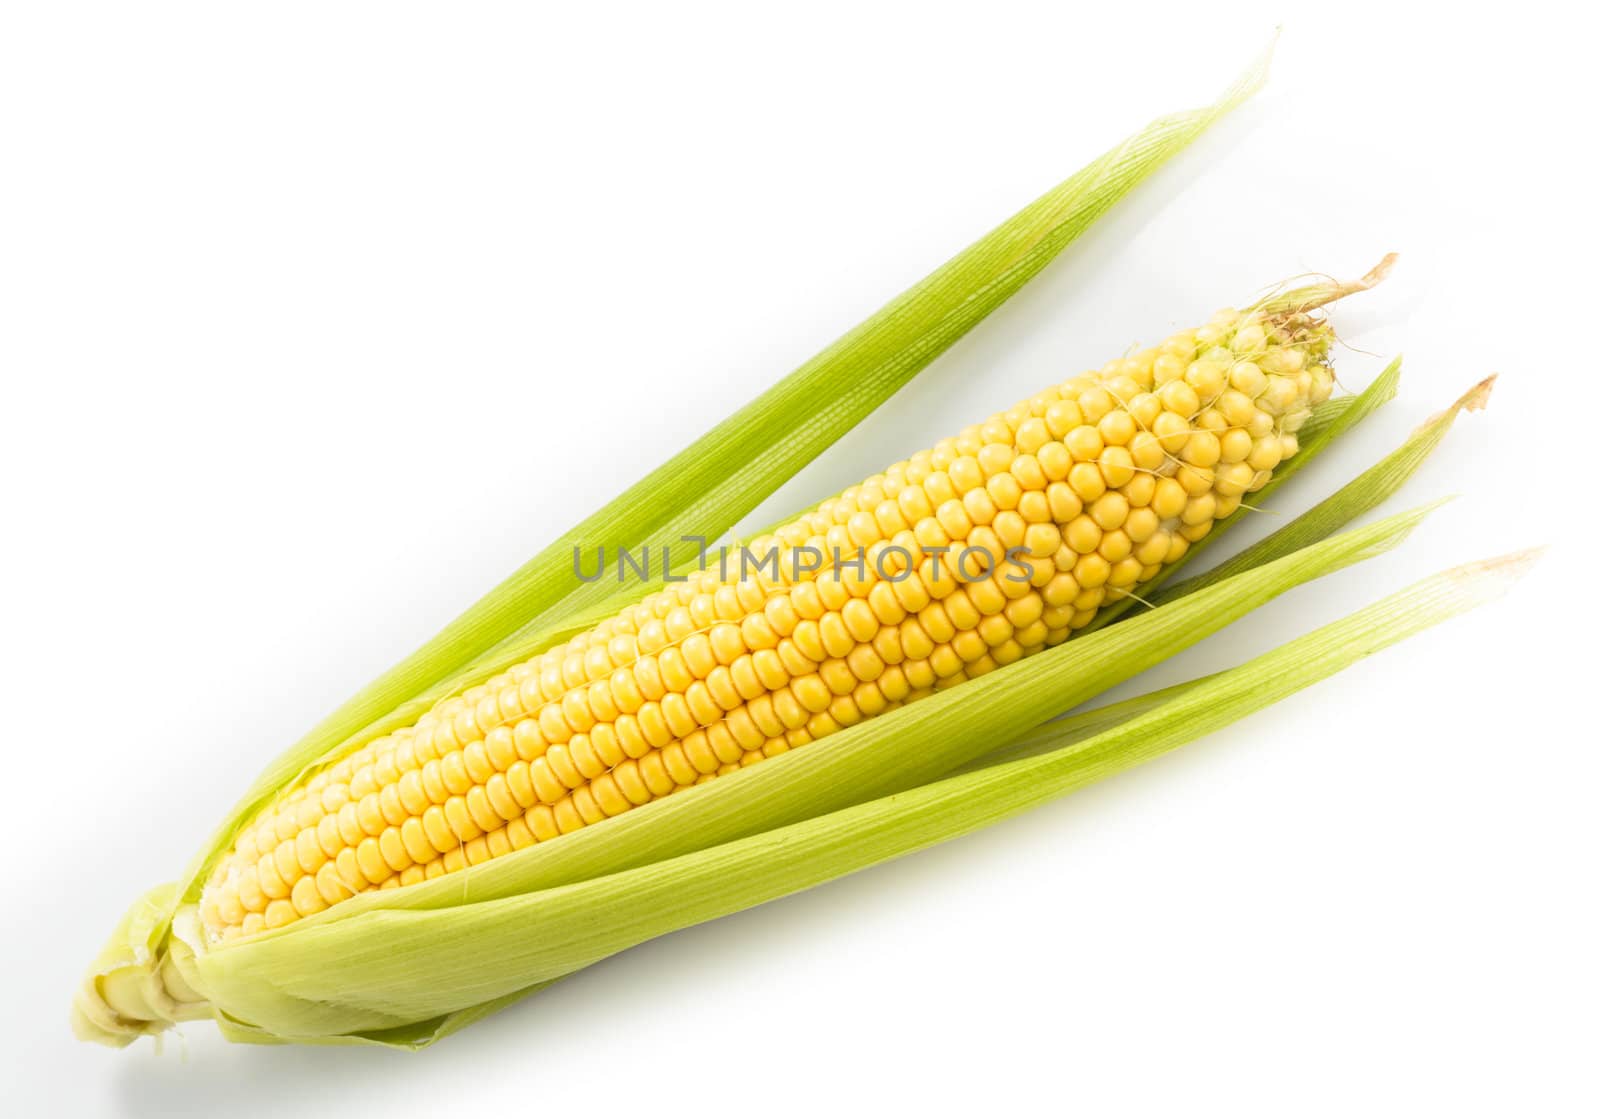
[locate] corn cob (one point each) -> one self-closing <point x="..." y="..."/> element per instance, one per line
<point x="992" y="545"/>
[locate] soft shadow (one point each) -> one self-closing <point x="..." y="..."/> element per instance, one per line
<point x="201" y="1074"/>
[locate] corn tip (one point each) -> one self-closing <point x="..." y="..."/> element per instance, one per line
<point x="1488" y="579"/>
<point x="1476" y="399"/>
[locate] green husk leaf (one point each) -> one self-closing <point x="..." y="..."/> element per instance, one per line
<point x="293" y="982"/>
<point x="1080" y="725"/>
<point x="1356" y="499"/>
<point x="413" y="964"/>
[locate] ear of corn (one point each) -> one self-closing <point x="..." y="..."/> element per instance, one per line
<point x="505" y="758"/>
<point x="428" y="853"/>
<point x="650" y="841"/>
<point x="352" y="823"/>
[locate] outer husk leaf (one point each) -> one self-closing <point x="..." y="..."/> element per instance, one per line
<point x="413" y="964"/>
<point x="310" y="980"/>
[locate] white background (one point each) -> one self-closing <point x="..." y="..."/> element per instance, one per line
<point x="316" y="319"/>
